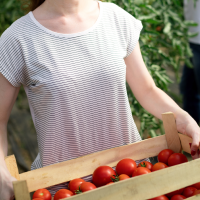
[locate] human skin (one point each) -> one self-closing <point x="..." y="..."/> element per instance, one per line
<point x="155" y="100"/>
<point x="61" y="17"/>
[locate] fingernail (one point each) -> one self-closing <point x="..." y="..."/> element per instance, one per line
<point x="190" y="144"/>
<point x="193" y="152"/>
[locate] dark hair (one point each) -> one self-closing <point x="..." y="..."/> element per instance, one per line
<point x="35" y="3"/>
<point x="30" y="5"/>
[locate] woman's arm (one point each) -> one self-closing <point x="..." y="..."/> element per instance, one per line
<point x="8" y="95"/>
<point x="155" y="100"/>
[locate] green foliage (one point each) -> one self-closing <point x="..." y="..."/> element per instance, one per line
<point x="164" y="44"/>
<point x="163" y="41"/>
<point x="10" y="10"/>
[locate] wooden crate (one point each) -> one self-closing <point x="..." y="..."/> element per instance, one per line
<point x="138" y="188"/>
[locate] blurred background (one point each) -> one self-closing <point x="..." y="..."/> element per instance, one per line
<point x="165" y="48"/>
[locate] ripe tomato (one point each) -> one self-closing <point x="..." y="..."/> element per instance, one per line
<point x="74" y="184"/>
<point x="86" y="186"/>
<point x="180" y="191"/>
<point x="121" y="177"/>
<point x="189" y="191"/>
<point x="146" y="164"/>
<point x="159" y="166"/>
<point x="196" y="185"/>
<point x="110" y="183"/>
<point x="162" y="197"/>
<point x="38" y="199"/>
<point x="164" y="155"/>
<point x="42" y="194"/>
<point x="63" y="193"/>
<point x="102" y="175"/>
<point x="177" y="158"/>
<point x="197" y="192"/>
<point x="126" y="166"/>
<point x="178" y="197"/>
<point x="140" y="171"/>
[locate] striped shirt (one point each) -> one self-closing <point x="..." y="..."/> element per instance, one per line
<point x="75" y="83"/>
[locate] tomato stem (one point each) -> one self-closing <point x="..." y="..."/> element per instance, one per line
<point x="78" y="191"/>
<point x="115" y="179"/>
<point x="143" y="164"/>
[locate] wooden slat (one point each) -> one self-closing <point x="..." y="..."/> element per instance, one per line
<point x="196" y="197"/>
<point x="149" y="185"/>
<point x="171" y="132"/>
<point x="21" y="190"/>
<point x="12" y="166"/>
<point x="185" y="140"/>
<point x="83" y="166"/>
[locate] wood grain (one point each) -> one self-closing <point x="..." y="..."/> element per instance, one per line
<point x="171" y="132"/>
<point x="12" y="166"/>
<point x="196" y="197"/>
<point x="21" y="190"/>
<point x="185" y="140"/>
<point x="83" y="166"/>
<point x="149" y="185"/>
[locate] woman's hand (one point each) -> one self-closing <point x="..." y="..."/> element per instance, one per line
<point x="6" y="187"/>
<point x="188" y="126"/>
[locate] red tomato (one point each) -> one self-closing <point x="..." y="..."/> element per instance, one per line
<point x="63" y="193"/>
<point x="178" y="197"/>
<point x="164" y="155"/>
<point x="146" y="164"/>
<point x="109" y="183"/>
<point x="140" y="171"/>
<point x="126" y="166"/>
<point x="102" y="175"/>
<point x="42" y="194"/>
<point x="74" y="184"/>
<point x="38" y="199"/>
<point x="196" y="185"/>
<point x="197" y="192"/>
<point x="86" y="186"/>
<point x="189" y="191"/>
<point x="121" y="177"/>
<point x="177" y="158"/>
<point x="159" y="166"/>
<point x="180" y="191"/>
<point x="162" y="197"/>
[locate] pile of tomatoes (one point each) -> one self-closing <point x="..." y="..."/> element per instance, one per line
<point x="125" y="169"/>
<point x="168" y="158"/>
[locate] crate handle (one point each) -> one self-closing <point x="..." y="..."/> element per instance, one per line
<point x="171" y="133"/>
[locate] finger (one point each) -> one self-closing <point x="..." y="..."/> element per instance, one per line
<point x="195" y="146"/>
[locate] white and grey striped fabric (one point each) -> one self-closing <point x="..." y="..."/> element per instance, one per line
<point x="75" y="83"/>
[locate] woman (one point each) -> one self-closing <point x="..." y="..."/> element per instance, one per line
<point x="73" y="59"/>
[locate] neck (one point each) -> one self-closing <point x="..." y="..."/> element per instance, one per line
<point x="68" y="7"/>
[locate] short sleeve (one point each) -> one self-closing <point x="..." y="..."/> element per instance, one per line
<point x="131" y="28"/>
<point x="133" y="33"/>
<point x="11" y="57"/>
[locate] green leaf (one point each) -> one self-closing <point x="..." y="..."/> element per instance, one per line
<point x="190" y="35"/>
<point x="145" y="17"/>
<point x="167" y="28"/>
<point x="152" y="21"/>
<point x="8" y="4"/>
<point x="152" y="133"/>
<point x="153" y="10"/>
<point x="190" y="23"/>
<point x="151" y="32"/>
